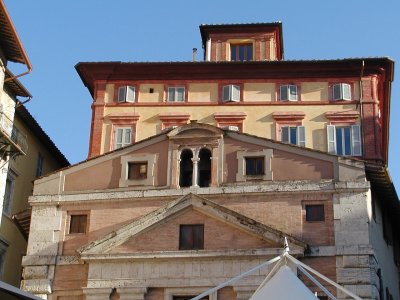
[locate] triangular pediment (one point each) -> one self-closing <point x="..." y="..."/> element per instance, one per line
<point x="252" y="234"/>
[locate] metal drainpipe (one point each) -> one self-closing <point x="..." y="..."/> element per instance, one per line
<point x="361" y="104"/>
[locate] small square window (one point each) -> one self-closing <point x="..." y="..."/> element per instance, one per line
<point x="315" y="213"/>
<point x="176" y="94"/>
<point x="254" y="165"/>
<point x="126" y="94"/>
<point x="341" y="91"/>
<point x="288" y="92"/>
<point x="242" y="52"/>
<point x="231" y="93"/>
<point x="78" y="224"/>
<point x="137" y="170"/>
<point x="191" y="237"/>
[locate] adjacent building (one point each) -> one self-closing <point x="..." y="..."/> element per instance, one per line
<point x="26" y="153"/>
<point x="198" y="170"/>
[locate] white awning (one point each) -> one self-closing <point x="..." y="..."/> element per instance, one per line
<point x="284" y="285"/>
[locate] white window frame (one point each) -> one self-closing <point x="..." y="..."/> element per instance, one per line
<point x="125" y="131"/>
<point x="150" y="159"/>
<point x="126" y="93"/>
<point x="341" y="91"/>
<point x="174" y="90"/>
<point x="355" y="139"/>
<point x="286" y="92"/>
<point x="231" y="93"/>
<point x="300" y="134"/>
<point x="241" y="161"/>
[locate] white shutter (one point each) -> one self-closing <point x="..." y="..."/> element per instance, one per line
<point x="130" y="94"/>
<point x="284" y="93"/>
<point x="292" y="93"/>
<point x="285" y="134"/>
<point x="128" y="136"/>
<point x="301" y="136"/>
<point x="331" y="138"/>
<point x="118" y="138"/>
<point x="235" y="93"/>
<point x="226" y="93"/>
<point x="180" y="94"/>
<point x="356" y="140"/>
<point x="171" y="94"/>
<point x="121" y="94"/>
<point x="346" y="91"/>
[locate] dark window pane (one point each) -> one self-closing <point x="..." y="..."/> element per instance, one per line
<point x="249" y="53"/>
<point x="347" y="140"/>
<point x="241" y="52"/>
<point x="233" y="53"/>
<point x="254" y="165"/>
<point x="339" y="141"/>
<point x="293" y="135"/>
<point x="315" y="212"/>
<point x="137" y="170"/>
<point x="191" y="237"/>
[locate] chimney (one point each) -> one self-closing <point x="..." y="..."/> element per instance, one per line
<point x="194" y="54"/>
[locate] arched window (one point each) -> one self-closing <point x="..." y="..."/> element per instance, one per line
<point x="186" y="168"/>
<point x="204" y="167"/>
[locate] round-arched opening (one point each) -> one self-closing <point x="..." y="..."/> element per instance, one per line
<point x="186" y="168"/>
<point x="204" y="167"/>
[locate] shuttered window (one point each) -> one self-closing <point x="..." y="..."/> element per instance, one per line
<point x="344" y="140"/>
<point x="122" y="137"/>
<point x="341" y="91"/>
<point x="295" y="135"/>
<point x="288" y="92"/>
<point x="231" y="93"/>
<point x="176" y="94"/>
<point x="126" y="94"/>
<point x="191" y="237"/>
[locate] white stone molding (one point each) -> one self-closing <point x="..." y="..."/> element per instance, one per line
<point x="241" y="161"/>
<point x="150" y="177"/>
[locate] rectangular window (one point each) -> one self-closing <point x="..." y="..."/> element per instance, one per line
<point x="9" y="193"/>
<point x="137" y="170"/>
<point x="315" y="213"/>
<point x="231" y="93"/>
<point x="3" y="252"/>
<point x="126" y="94"/>
<point x="341" y="91"/>
<point x="288" y="92"/>
<point x="122" y="137"/>
<point x="344" y="140"/>
<point x="242" y="52"/>
<point x="294" y="135"/>
<point x="254" y="165"/>
<point x="191" y="237"/>
<point x="176" y="94"/>
<point x="78" y="224"/>
<point x="39" y="165"/>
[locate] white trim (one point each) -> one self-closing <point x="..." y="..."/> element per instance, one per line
<point x="150" y="178"/>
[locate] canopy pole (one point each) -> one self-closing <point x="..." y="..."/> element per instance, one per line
<point x="232" y="280"/>
<point x="299" y="263"/>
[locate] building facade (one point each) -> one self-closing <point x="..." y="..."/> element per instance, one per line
<point x="198" y="170"/>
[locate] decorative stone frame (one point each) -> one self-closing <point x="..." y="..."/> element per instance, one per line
<point x="287" y="118"/>
<point x="342" y="117"/>
<point x="230" y="119"/>
<point x="241" y="160"/>
<point x="169" y="293"/>
<point x="150" y="178"/>
<point x="122" y="120"/>
<point x="173" y="119"/>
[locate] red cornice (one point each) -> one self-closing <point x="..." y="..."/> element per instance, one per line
<point x="289" y="116"/>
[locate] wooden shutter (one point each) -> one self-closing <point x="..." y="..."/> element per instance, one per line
<point x="356" y="140"/>
<point x="331" y="138"/>
<point x="301" y="136"/>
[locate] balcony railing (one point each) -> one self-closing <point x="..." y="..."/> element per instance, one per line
<point x="12" y="133"/>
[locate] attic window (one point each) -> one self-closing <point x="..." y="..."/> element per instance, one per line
<point x="231" y="93"/>
<point x="126" y="94"/>
<point x="137" y="170"/>
<point x="191" y="237"/>
<point x="77" y="224"/>
<point x="254" y="166"/>
<point x="242" y="52"/>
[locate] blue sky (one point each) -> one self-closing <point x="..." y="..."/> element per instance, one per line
<point x="59" y="34"/>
